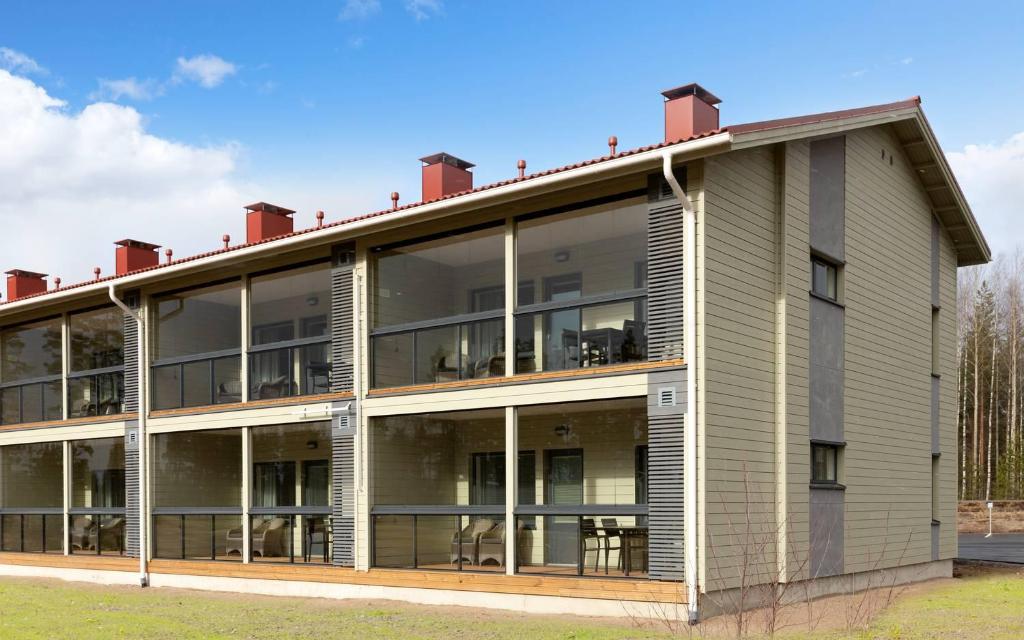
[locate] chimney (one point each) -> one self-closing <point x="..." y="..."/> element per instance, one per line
<point x="264" y="221"/>
<point x="132" y="255"/>
<point x="24" y="283"/>
<point x="689" y="111"/>
<point x="443" y="175"/>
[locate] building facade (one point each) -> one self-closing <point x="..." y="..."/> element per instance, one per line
<point x="721" y="361"/>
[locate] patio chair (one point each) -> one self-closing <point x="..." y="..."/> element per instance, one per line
<point x="491" y="545"/>
<point x="267" y="539"/>
<point x="611" y="531"/>
<point x="465" y="542"/>
<point x="83" y="528"/>
<point x="591" y="535"/>
<point x="112" y="535"/>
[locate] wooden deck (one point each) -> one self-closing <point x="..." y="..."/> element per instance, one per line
<point x="562" y="586"/>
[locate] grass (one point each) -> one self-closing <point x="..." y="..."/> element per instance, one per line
<point x="983" y="604"/>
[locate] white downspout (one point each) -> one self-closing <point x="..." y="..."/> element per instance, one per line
<point x="690" y="355"/>
<point x="141" y="350"/>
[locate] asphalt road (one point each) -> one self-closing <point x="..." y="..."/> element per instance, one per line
<point x="1001" y="547"/>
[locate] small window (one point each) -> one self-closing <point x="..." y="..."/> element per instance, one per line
<point x="824" y="279"/>
<point x="824" y="463"/>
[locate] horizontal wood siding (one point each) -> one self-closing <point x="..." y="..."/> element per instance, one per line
<point x="739" y="227"/>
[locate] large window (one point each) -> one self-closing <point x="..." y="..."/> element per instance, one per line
<point x="290" y="316"/>
<point x="291" y="502"/>
<point x="30" y="372"/>
<point x="96" y="374"/>
<point x="197" y="494"/>
<point x="438" y="309"/>
<point x="450" y="493"/>
<point x="197" y="347"/>
<point x="97" y="496"/>
<point x="587" y="512"/>
<point x="32" y="497"/>
<point x="581" y="286"/>
<point x="581" y="491"/>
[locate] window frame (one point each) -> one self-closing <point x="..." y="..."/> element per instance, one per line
<point x="96" y="374"/>
<point x="832" y="270"/>
<point x="42" y="382"/>
<point x="835" y="450"/>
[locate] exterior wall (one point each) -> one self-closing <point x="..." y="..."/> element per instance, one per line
<point x="887" y="284"/>
<point x="738" y="227"/>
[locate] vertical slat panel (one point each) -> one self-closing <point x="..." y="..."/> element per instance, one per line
<point x="131" y="488"/>
<point x="664" y="271"/>
<point x="131" y="355"/>
<point x="342" y="370"/>
<point x="343" y="490"/>
<point x="665" y="474"/>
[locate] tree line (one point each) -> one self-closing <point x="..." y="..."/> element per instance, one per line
<point x="990" y="310"/>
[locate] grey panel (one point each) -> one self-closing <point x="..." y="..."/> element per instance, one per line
<point x="131" y="355"/>
<point x="665" y="293"/>
<point x="665" y="474"/>
<point x="936" y="384"/>
<point x="826" y="371"/>
<point x="827" y="507"/>
<point x="936" y="534"/>
<point x="826" y="404"/>
<point x="342" y="325"/>
<point x="935" y="262"/>
<point x="131" y="488"/>
<point x="343" y="439"/>
<point x="828" y="197"/>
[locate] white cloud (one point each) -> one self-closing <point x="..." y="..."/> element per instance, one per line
<point x="859" y="73"/>
<point x="423" y="9"/>
<point x="75" y="181"/>
<point x="356" y="42"/>
<point x="992" y="177"/>
<point x="907" y="60"/>
<point x="18" y="62"/>
<point x="130" y="88"/>
<point x="208" y="70"/>
<point x="359" y="9"/>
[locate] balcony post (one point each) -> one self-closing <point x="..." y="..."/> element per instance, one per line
<point x="246" y="494"/>
<point x="511" y="483"/>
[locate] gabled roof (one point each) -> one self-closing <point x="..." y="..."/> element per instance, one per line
<point x="906" y="118"/>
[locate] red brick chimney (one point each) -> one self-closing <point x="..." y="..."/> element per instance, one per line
<point x="689" y="111"/>
<point x="264" y="221"/>
<point x="24" y="283"/>
<point x="132" y="255"/>
<point x="444" y="174"/>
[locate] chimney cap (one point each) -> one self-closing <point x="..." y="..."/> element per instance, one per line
<point x="447" y="158"/>
<point x="692" y="89"/>
<point x="269" y="208"/>
<point x="138" y="244"/>
<point x="21" y="273"/>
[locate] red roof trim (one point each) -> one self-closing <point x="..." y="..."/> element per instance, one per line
<point x="736" y="129"/>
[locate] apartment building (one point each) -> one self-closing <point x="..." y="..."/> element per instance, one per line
<point x="720" y="360"/>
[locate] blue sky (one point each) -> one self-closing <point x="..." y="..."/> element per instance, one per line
<point x="328" y="104"/>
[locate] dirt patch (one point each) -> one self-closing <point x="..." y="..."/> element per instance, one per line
<point x="1007" y="516"/>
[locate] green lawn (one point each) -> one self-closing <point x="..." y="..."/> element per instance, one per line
<point x="982" y="605"/>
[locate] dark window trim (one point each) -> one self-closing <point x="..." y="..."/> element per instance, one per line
<point x="54" y="377"/>
<point x="195" y="287"/>
<point x="589" y="301"/>
<point x="209" y="355"/>
<point x="437" y="510"/>
<point x="825" y="257"/>
<point x="830" y="265"/>
<point x="440" y="235"/>
<point x="436" y="323"/>
<point x="95" y="372"/>
<point x="585" y="204"/>
<point x="96" y="511"/>
<point x="581" y="509"/>
<point x="25" y="323"/>
<point x="326" y="260"/>
<point x="196" y="511"/>
<point x="833" y="447"/>
<point x="285" y="344"/>
<point x="827" y="486"/>
<point x="834" y="303"/>
<point x="298" y="510"/>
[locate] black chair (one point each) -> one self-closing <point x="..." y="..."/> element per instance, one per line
<point x="589" y="533"/>
<point x="611" y="530"/>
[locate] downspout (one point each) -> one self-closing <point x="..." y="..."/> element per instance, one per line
<point x="690" y="355"/>
<point x="141" y="350"/>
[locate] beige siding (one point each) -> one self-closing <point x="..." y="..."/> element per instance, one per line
<point x="888" y="357"/>
<point x="738" y="229"/>
<point x="947" y="497"/>
<point x="795" y="421"/>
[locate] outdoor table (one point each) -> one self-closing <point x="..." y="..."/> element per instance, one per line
<point x="624" y="532"/>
